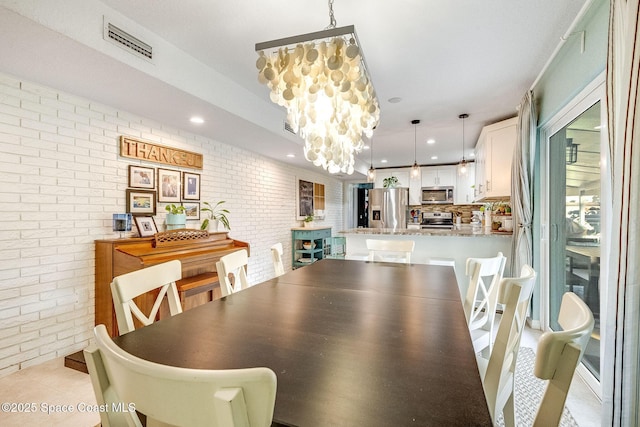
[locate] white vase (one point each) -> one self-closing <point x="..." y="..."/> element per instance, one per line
<point x="308" y="224"/>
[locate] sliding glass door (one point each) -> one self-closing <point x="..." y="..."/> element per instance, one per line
<point x="572" y="215"/>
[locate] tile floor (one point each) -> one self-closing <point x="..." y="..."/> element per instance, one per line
<point x="51" y="383"/>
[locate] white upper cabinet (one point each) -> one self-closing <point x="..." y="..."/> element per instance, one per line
<point x="402" y="174"/>
<point x="464" y="191"/>
<point x="494" y="153"/>
<point x="439" y="176"/>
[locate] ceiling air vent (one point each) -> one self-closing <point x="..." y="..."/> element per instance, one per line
<point x="288" y="127"/>
<point x="127" y="41"/>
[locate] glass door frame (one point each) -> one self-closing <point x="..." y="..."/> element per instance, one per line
<point x="589" y="96"/>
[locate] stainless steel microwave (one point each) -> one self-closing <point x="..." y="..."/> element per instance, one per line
<point x="437" y="195"/>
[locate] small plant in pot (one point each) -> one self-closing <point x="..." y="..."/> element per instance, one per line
<point x="308" y="221"/>
<point x="216" y="213"/>
<point x="177" y="216"/>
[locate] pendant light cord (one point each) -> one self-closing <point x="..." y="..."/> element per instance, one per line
<point x="332" y="18"/>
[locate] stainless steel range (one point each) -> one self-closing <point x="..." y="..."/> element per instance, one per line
<point x="442" y="220"/>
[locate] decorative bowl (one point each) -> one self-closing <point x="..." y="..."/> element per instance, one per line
<point x="309" y="245"/>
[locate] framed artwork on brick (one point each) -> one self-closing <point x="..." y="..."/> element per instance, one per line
<point x="192" y="209"/>
<point x="191" y="186"/>
<point x="141" y="202"/>
<point x="142" y="177"/>
<point x="168" y="186"/>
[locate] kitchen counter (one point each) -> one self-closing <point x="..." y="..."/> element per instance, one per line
<point x="457" y="244"/>
<point x="465" y="230"/>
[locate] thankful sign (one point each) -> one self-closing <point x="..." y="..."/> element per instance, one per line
<point x="144" y="150"/>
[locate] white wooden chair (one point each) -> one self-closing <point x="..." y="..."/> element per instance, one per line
<point x="390" y="250"/>
<point x="174" y="396"/>
<point x="481" y="299"/>
<point x="276" y="256"/>
<point x="498" y="372"/>
<point x="126" y="287"/>
<point x="558" y="355"/>
<point x="233" y="265"/>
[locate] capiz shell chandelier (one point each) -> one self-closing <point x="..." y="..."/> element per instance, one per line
<point x="322" y="81"/>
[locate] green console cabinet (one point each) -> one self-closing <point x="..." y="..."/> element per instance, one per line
<point x="309" y="245"/>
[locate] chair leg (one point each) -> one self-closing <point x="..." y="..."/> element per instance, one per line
<point x="509" y="412"/>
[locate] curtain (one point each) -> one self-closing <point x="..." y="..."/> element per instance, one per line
<point x="621" y="394"/>
<point x="521" y="179"/>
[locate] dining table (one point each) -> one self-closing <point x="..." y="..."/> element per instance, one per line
<point x="352" y="343"/>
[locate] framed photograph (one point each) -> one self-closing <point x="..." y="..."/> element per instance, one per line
<point x="142" y="177"/>
<point x="192" y="209"/>
<point x="191" y="186"/>
<point x="305" y="198"/>
<point x="146" y="226"/>
<point x="141" y="202"/>
<point x="168" y="186"/>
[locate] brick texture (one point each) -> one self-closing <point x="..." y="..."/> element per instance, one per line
<point x="63" y="176"/>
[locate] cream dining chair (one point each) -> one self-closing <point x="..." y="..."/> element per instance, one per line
<point x="558" y="355"/>
<point x="481" y="299"/>
<point x="174" y="396"/>
<point x="276" y="256"/>
<point x="498" y="372"/>
<point x="126" y="287"/>
<point x="390" y="250"/>
<point x="233" y="265"/>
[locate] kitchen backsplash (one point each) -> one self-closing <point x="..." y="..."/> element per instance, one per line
<point x="465" y="210"/>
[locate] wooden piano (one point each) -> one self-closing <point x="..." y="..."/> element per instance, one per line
<point x="197" y="250"/>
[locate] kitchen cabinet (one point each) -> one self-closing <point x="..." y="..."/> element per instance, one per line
<point x="464" y="192"/>
<point x="320" y="239"/>
<point x="494" y="152"/>
<point x="439" y="176"/>
<point x="405" y="180"/>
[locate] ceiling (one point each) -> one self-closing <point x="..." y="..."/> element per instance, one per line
<point x="441" y="58"/>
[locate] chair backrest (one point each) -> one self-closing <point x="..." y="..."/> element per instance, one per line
<point x="481" y="299"/>
<point x="126" y="287"/>
<point x="390" y="250"/>
<point x="276" y="256"/>
<point x="180" y="396"/>
<point x="233" y="264"/>
<point x="558" y="355"/>
<point x="498" y="381"/>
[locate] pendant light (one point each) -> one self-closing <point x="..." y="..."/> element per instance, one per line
<point x="462" y="166"/>
<point x="415" y="170"/>
<point x="371" y="174"/>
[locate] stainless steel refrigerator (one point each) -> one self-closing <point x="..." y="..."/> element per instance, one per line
<point x="388" y="207"/>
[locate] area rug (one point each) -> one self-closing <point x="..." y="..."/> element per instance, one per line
<point x="529" y="390"/>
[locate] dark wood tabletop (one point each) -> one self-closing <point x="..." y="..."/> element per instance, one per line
<point x="352" y="343"/>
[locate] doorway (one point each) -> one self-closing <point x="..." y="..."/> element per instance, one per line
<point x="573" y="217"/>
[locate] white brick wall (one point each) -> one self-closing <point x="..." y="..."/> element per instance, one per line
<point x="62" y="179"/>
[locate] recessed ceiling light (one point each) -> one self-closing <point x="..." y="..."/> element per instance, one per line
<point x="383" y="161"/>
<point x="366" y="147"/>
<point x="291" y="155"/>
<point x="431" y="141"/>
<point x="434" y="157"/>
<point x="395" y="100"/>
<point x="196" y="120"/>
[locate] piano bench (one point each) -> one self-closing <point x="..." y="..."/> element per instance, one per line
<point x="193" y="285"/>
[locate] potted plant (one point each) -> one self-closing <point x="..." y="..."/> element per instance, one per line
<point x="308" y="221"/>
<point x="390" y="182"/>
<point x="177" y="216"/>
<point x="215" y="213"/>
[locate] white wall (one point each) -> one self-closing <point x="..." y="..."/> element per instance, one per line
<point x="63" y="178"/>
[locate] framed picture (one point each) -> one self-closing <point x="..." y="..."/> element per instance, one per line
<point x="141" y="202"/>
<point x="191" y="186"/>
<point x="168" y="186"/>
<point x="192" y="209"/>
<point x="142" y="177"/>
<point x="146" y="226"/>
<point x="305" y="198"/>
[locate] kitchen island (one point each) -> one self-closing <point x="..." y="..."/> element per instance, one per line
<point x="457" y="244"/>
